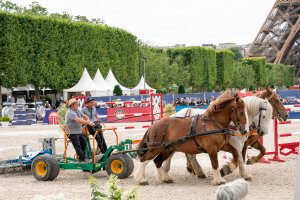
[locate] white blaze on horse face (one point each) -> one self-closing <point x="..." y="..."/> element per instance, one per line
<point x="266" y="117"/>
<point x="253" y="105"/>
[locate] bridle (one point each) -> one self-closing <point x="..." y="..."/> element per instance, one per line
<point x="271" y="101"/>
<point x="262" y="106"/>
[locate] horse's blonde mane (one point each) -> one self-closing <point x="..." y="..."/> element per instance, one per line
<point x="252" y="104"/>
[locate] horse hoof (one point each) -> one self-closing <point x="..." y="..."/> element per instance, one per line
<point x="250" y="178"/>
<point x="225" y="170"/>
<point x="202" y="176"/>
<point x="144" y="183"/>
<point x="190" y="170"/>
<point x="249" y="162"/>
<point x="169" y="181"/>
<point x="219" y="182"/>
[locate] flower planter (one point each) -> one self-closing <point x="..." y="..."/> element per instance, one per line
<point x="4" y="124"/>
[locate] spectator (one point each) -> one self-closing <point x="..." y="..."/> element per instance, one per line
<point x="192" y="103"/>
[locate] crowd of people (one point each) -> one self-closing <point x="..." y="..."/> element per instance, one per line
<point x="192" y="102"/>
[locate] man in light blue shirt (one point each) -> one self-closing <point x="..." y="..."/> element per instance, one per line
<point x="74" y="119"/>
<point x="90" y="111"/>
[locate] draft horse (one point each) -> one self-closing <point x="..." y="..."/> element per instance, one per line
<point x="206" y="133"/>
<point x="279" y="112"/>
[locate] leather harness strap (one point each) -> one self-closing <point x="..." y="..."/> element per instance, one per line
<point x="193" y="132"/>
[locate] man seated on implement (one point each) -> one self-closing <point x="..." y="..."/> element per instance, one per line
<point x="90" y="111"/>
<point x="74" y="121"/>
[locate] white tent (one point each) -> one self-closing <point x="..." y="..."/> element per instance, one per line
<point x="142" y="85"/>
<point x="6" y="91"/>
<point x="106" y="90"/>
<point x="112" y="81"/>
<point x="85" y="84"/>
<point x="28" y="87"/>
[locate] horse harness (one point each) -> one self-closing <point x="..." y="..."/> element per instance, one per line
<point x="191" y="135"/>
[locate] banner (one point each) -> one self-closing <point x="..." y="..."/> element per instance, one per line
<point x="128" y="114"/>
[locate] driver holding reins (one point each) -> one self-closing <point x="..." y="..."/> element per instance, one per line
<point x="90" y="111"/>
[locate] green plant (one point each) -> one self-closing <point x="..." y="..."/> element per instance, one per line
<point x="5" y="118"/>
<point x="114" y="191"/>
<point x="169" y="110"/>
<point x="181" y="89"/>
<point x="62" y="110"/>
<point x="118" y="90"/>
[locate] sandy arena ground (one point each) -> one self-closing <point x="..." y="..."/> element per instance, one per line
<point x="271" y="181"/>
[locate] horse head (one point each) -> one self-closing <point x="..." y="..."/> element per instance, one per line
<point x="279" y="110"/>
<point x="259" y="112"/>
<point x="229" y="107"/>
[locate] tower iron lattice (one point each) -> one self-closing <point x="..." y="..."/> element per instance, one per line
<point x="279" y="37"/>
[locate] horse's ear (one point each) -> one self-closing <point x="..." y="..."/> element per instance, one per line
<point x="269" y="90"/>
<point x="226" y="101"/>
<point x="215" y="108"/>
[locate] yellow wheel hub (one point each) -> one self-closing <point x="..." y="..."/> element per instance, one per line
<point x="41" y="168"/>
<point x="116" y="166"/>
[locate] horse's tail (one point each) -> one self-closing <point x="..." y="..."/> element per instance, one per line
<point x="141" y="150"/>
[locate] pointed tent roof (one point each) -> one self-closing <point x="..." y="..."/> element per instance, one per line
<point x="24" y="88"/>
<point x="100" y="82"/>
<point x="84" y="84"/>
<point x="112" y="81"/>
<point x="140" y="85"/>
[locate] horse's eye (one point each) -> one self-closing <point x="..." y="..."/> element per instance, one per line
<point x="264" y="117"/>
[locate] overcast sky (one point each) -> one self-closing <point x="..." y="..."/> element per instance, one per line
<point x="170" y="22"/>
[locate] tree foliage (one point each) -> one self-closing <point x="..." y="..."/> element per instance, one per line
<point x="181" y="89"/>
<point x="53" y="52"/>
<point x="224" y="68"/>
<point x="117" y="90"/>
<point x="258" y="65"/>
<point x="243" y="76"/>
<point x="237" y="54"/>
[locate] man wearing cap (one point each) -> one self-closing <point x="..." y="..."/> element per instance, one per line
<point x="90" y="111"/>
<point x="74" y="121"/>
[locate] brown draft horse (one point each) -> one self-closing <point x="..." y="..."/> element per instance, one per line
<point x="168" y="135"/>
<point x="279" y="111"/>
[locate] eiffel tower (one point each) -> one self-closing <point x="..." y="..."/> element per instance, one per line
<point x="279" y="37"/>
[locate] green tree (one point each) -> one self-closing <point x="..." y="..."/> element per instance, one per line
<point x="181" y="89"/>
<point x="259" y="66"/>
<point x="36" y="9"/>
<point x="117" y="90"/>
<point x="237" y="53"/>
<point x="13" y="61"/>
<point x="244" y="76"/>
<point x="224" y="68"/>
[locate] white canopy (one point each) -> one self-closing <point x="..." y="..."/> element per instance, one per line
<point x="28" y="87"/>
<point x="112" y="82"/>
<point x="141" y="86"/>
<point x="5" y="91"/>
<point x="101" y="83"/>
<point x="85" y="84"/>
